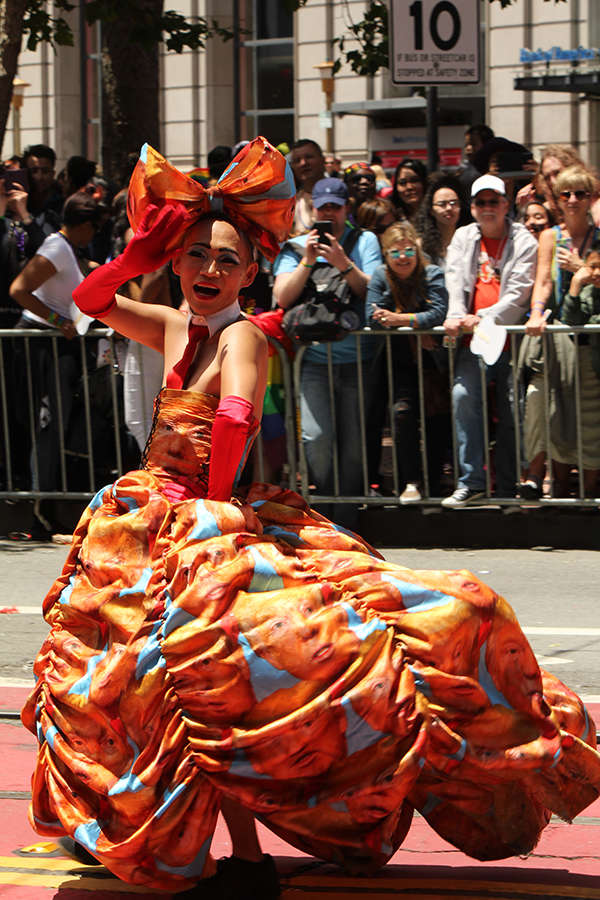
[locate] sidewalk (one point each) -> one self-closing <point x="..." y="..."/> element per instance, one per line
<point x="566" y="863"/>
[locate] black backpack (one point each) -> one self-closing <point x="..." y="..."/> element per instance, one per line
<point x="327" y="310"/>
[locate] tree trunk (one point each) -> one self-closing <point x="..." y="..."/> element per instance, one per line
<point x="130" y="88"/>
<point x="12" y="13"/>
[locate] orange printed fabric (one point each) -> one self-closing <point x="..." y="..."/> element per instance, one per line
<point x="256" y="191"/>
<point x="255" y="649"/>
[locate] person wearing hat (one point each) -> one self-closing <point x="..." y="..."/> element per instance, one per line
<point x="292" y="271"/>
<point x="490" y="269"/>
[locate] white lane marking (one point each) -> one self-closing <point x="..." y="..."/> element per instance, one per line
<point x="553" y="661"/>
<point x="558" y="629"/>
<point x="22" y="610"/>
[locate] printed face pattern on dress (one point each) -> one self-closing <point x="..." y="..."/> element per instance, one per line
<point x="254" y="648"/>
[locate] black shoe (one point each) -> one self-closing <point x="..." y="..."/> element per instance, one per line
<point x="76" y="851"/>
<point x="530" y="490"/>
<point x="238" y="879"/>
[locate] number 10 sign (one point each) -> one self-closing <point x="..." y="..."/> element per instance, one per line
<point x="435" y="41"/>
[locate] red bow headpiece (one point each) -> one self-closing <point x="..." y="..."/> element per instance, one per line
<point x="256" y="192"/>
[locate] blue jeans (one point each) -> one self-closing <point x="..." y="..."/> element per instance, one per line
<point x="317" y="425"/>
<point x="468" y="417"/>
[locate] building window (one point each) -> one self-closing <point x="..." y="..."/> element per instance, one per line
<point x="267" y="72"/>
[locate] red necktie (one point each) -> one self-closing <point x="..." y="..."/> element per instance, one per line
<point x="177" y="375"/>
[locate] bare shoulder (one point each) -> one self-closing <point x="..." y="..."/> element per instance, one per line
<point x="546" y="246"/>
<point x="546" y="239"/>
<point x="243" y="332"/>
<point x="175" y="320"/>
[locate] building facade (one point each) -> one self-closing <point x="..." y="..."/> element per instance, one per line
<point x="269" y="83"/>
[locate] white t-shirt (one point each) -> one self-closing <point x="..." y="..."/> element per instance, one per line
<point x="57" y="291"/>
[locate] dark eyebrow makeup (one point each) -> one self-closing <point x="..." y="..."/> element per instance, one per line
<point x="208" y="247"/>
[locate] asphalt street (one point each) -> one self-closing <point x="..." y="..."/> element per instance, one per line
<point x="554" y="593"/>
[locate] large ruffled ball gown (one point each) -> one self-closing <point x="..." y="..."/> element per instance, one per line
<point x="256" y="650"/>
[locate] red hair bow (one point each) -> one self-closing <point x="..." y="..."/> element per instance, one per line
<point x="256" y="192"/>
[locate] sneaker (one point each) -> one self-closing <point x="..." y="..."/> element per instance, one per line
<point x="410" y="494"/>
<point x="530" y="490"/>
<point x="462" y="496"/>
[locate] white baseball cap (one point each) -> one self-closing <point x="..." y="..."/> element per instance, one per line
<point x="488" y="183"/>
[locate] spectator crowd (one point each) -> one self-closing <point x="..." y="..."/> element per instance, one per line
<point x="503" y="240"/>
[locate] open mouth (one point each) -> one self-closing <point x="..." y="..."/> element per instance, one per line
<point x="376" y="812"/>
<point x="304" y="759"/>
<point x="205" y="290"/>
<point x="323" y="652"/>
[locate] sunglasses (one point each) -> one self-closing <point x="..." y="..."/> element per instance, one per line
<point x="409" y="252"/>
<point x="356" y="178"/>
<point x="404" y="181"/>
<point x="479" y="203"/>
<point x="579" y="195"/>
<point x="444" y="204"/>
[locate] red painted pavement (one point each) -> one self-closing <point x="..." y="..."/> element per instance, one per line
<point x="567" y="857"/>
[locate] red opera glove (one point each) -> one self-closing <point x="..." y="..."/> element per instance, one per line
<point x="232" y="434"/>
<point x="144" y="253"/>
<point x="175" y="492"/>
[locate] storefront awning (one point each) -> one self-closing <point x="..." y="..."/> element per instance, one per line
<point x="375" y="107"/>
<point x="573" y="82"/>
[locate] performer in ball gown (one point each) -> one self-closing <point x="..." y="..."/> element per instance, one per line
<point x="213" y="649"/>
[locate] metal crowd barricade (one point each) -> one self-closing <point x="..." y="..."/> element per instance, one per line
<point x="289" y="416"/>
<point x="25" y="339"/>
<point x="515" y="332"/>
<point x="298" y="470"/>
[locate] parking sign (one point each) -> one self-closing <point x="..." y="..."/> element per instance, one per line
<point x="435" y="41"/>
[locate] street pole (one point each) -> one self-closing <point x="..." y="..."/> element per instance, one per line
<point x="432" y="129"/>
<point x="237" y="105"/>
<point x="326" y="73"/>
<point x="16" y="103"/>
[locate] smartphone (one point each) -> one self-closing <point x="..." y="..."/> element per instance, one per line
<point x="324" y="228"/>
<point x="15" y="176"/>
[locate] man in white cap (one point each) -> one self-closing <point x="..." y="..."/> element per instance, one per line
<point x="490" y="270"/>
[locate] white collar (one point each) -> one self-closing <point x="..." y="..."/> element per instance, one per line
<point x="220" y="319"/>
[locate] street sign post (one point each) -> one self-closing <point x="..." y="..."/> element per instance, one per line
<point x="435" y="42"/>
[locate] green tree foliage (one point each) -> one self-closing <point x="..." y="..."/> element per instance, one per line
<point x="364" y="46"/>
<point x="169" y="27"/>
